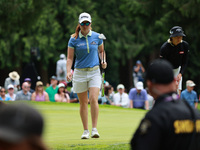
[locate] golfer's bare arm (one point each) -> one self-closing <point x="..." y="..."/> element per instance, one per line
<point x="101" y="51"/>
<point x="70" y="58"/>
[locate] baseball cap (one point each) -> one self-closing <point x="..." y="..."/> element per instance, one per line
<point x="27" y="80"/>
<point x="61" y="85"/>
<point x="176" y="31"/>
<point x="62" y="56"/>
<point x="84" y="17"/>
<point x="190" y="83"/>
<point x="120" y="86"/>
<point x="10" y="86"/>
<point x="138" y="62"/>
<point x="39" y="83"/>
<point x="160" y="71"/>
<point x="139" y="86"/>
<point x="53" y="77"/>
<point x="19" y="121"/>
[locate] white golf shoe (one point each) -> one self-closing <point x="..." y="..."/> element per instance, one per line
<point x="95" y="133"/>
<point x="85" y="135"/>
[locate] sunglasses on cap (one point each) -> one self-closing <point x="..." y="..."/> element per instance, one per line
<point x="87" y="24"/>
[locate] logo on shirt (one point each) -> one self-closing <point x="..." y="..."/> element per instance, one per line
<point x="81" y="44"/>
<point x="93" y="43"/>
<point x="181" y="52"/>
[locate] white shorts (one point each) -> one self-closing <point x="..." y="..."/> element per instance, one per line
<point x="83" y="80"/>
<point x="176" y="72"/>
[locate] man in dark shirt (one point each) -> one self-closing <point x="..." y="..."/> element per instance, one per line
<point x="175" y="50"/>
<point x="172" y="124"/>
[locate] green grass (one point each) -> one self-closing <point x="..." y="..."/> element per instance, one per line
<point x="63" y="127"/>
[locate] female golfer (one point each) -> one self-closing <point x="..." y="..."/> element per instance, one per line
<point x="176" y="50"/>
<point x="87" y="47"/>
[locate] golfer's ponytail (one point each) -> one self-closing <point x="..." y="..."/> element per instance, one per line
<point x="75" y="35"/>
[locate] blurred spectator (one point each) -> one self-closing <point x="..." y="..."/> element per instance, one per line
<point x="73" y="96"/>
<point x="11" y="93"/>
<point x="39" y="94"/>
<point x="52" y="89"/>
<point x="24" y="94"/>
<point x="150" y="99"/>
<point x="47" y="84"/>
<point x="14" y="80"/>
<point x="3" y="96"/>
<point x="138" y="97"/>
<point x="189" y="94"/>
<point x="66" y="91"/>
<point x="21" y="128"/>
<point x="28" y="80"/>
<point x="121" y="98"/>
<point x="108" y="95"/>
<point x="138" y="72"/>
<point x="61" y="69"/>
<point x="61" y="96"/>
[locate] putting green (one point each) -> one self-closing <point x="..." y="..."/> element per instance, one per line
<point x="63" y="127"/>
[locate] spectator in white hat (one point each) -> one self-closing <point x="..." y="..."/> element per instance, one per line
<point x="14" y="80"/>
<point x="138" y="97"/>
<point x="189" y="94"/>
<point x="3" y="96"/>
<point x="121" y="98"/>
<point x="11" y="93"/>
<point x="61" y="95"/>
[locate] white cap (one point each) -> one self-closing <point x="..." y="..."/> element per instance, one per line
<point x="190" y="83"/>
<point x="61" y="85"/>
<point x="10" y="86"/>
<point x="62" y="55"/>
<point x="139" y="86"/>
<point x="106" y="83"/>
<point x="120" y="86"/>
<point x="84" y="17"/>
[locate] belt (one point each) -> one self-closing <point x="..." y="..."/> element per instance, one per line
<point x="88" y="69"/>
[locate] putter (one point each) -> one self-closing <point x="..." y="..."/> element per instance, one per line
<point x="101" y="36"/>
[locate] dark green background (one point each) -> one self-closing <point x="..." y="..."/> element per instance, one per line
<point x="135" y="29"/>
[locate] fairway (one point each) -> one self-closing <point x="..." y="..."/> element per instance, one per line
<point x="63" y="127"/>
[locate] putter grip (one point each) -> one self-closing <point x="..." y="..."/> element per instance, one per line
<point x="102" y="84"/>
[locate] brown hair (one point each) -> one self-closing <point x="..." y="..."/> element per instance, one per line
<point x="75" y="35"/>
<point x="78" y="28"/>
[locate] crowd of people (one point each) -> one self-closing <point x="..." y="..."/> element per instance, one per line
<point x="55" y="92"/>
<point x="137" y="97"/>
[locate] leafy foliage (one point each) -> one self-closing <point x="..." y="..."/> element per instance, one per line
<point x="135" y="29"/>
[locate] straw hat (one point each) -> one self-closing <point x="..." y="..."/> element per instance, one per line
<point x="14" y="75"/>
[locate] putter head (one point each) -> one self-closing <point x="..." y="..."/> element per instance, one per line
<point x="102" y="37"/>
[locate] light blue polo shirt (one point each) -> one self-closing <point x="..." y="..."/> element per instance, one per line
<point x="190" y="97"/>
<point x="86" y="49"/>
<point x="138" y="99"/>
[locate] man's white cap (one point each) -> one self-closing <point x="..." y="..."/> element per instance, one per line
<point x="120" y="86"/>
<point x="62" y="56"/>
<point x="139" y="86"/>
<point x="84" y="17"/>
<point x="190" y="83"/>
<point x="10" y="86"/>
